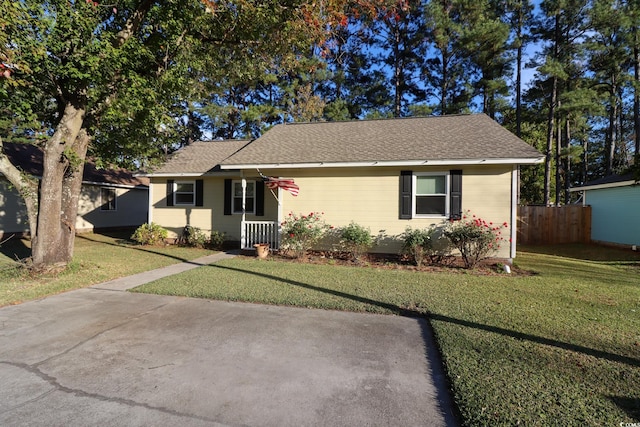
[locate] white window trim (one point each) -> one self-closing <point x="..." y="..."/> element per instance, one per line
<point x="414" y="189"/>
<point x="233" y="186"/>
<point x="175" y="193"/>
<point x="103" y="202"/>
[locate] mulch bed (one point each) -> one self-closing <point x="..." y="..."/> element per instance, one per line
<point x="450" y="264"/>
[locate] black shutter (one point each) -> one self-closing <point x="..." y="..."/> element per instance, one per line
<point x="170" y="192"/>
<point x="199" y="192"/>
<point x="455" y="195"/>
<point x="227" y="196"/>
<point x="406" y="179"/>
<point x="259" y="198"/>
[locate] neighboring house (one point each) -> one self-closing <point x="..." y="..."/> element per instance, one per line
<point x="109" y="199"/>
<point x="615" y="203"/>
<point x="383" y="174"/>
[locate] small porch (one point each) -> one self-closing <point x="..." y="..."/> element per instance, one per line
<point x="254" y="232"/>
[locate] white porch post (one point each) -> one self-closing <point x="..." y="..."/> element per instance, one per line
<point x="150" y="204"/>
<point x="243" y="237"/>
<point x="280" y="218"/>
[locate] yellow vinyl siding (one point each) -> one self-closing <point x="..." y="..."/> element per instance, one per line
<point x="208" y="217"/>
<point x="370" y="197"/>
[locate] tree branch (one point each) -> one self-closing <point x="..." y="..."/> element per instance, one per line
<point x="133" y="23"/>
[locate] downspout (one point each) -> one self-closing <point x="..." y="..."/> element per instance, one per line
<point x="514" y="211"/>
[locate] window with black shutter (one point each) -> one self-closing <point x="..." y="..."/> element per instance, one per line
<point x="430" y="194"/>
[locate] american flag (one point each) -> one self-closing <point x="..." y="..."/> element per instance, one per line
<point x="286" y="184"/>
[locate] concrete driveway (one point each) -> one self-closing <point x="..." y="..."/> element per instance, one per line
<point x="96" y="357"/>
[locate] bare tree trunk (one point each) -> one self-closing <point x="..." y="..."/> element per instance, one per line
<point x="71" y="188"/>
<point x="610" y="149"/>
<point x="551" y="120"/>
<point x="519" y="37"/>
<point x="549" y="148"/>
<point x="636" y="95"/>
<point x="54" y="228"/>
<point x="567" y="162"/>
<point x="444" y="87"/>
<point x="585" y="159"/>
<point x="558" y="160"/>
<point x="519" y="88"/>
<point x="397" y="74"/>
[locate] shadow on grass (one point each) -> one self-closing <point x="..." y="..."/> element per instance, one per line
<point x="129" y="244"/>
<point x="585" y="252"/>
<point x="630" y="405"/>
<point x="432" y="316"/>
<point x="14" y="248"/>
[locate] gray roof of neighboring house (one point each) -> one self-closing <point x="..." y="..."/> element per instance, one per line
<point x="29" y="159"/>
<point x="459" y="138"/>
<point x="199" y="158"/>
<point x="607" y="182"/>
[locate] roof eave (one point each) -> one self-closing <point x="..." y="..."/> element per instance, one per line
<point x="601" y="186"/>
<point x="226" y="172"/>
<point x="403" y="163"/>
<point x="115" y="184"/>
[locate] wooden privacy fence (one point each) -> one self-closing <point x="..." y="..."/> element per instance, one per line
<point x="548" y="225"/>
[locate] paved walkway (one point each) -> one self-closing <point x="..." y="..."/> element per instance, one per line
<point x="130" y="282"/>
<point x="100" y="357"/>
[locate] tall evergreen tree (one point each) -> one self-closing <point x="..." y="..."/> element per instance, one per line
<point x="562" y="30"/>
<point x="355" y="88"/>
<point x="397" y="33"/>
<point x="610" y="60"/>
<point x="445" y="67"/>
<point x="485" y="38"/>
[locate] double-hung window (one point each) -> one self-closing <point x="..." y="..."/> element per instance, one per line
<point x="250" y="197"/>
<point x="184" y="193"/>
<point x="431" y="194"/>
<point x="107" y="199"/>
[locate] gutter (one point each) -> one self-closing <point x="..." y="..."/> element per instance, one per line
<point x="402" y="163"/>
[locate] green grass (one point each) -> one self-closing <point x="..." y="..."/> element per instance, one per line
<point x="97" y="258"/>
<point x="560" y="347"/>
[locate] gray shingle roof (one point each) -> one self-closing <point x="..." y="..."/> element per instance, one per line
<point x="608" y="181"/>
<point x="29" y="159"/>
<point x="199" y="157"/>
<point x="437" y="138"/>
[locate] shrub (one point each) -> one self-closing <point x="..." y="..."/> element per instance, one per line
<point x="356" y="239"/>
<point x="475" y="238"/>
<point x="422" y="244"/>
<point x="301" y="232"/>
<point x="193" y="236"/>
<point x="217" y="239"/>
<point x="150" y="234"/>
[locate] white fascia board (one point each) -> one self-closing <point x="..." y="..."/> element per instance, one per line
<point x="601" y="186"/>
<point x="168" y="175"/>
<point x="452" y="162"/>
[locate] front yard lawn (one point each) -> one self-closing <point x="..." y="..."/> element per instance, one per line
<point x="98" y="258"/>
<point x="559" y="347"/>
